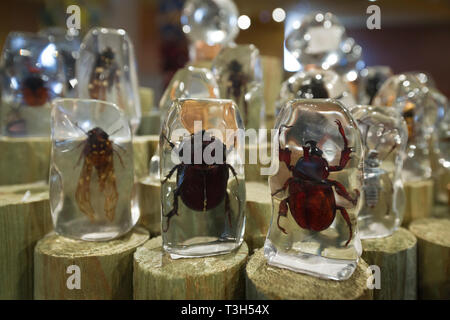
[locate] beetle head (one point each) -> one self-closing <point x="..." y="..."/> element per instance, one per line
<point x="313" y="149"/>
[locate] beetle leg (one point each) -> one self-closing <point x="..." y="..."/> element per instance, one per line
<point x="345" y="153"/>
<point x="228" y="207"/>
<point x="284" y="155"/>
<point x="286" y="184"/>
<point x="174" y="210"/>
<point x="347" y="219"/>
<point x="340" y="189"/>
<point x="282" y="212"/>
<point x="171" y="173"/>
<point x="233" y="172"/>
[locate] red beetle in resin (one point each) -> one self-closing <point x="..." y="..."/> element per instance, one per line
<point x="311" y="198"/>
<point x="201" y="186"/>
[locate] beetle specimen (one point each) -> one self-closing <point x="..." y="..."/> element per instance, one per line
<point x="315" y="89"/>
<point x="98" y="153"/>
<point x="237" y="85"/>
<point x="104" y="74"/>
<point x="311" y="199"/>
<point x="201" y="186"/>
<point x="33" y="88"/>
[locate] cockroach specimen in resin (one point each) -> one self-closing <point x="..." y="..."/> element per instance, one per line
<point x="201" y="186"/>
<point x="311" y="199"/>
<point x="98" y="154"/>
<point x="104" y="74"/>
<point x="237" y="85"/>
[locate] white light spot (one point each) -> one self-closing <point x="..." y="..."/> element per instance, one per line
<point x="352" y="75"/>
<point x="186" y="29"/>
<point x="278" y="15"/>
<point x="319" y="17"/>
<point x="296" y="24"/>
<point x="244" y="22"/>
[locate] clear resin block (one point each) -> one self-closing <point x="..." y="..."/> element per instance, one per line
<point x="209" y="25"/>
<point x="317" y="41"/>
<point x="411" y="98"/>
<point x="188" y="82"/>
<point x="68" y="46"/>
<point x="315" y="84"/>
<point x="384" y="136"/>
<point x="371" y="80"/>
<point x="239" y="74"/>
<point x="92" y="190"/>
<point x="32" y="75"/>
<point x="316" y="190"/>
<point x="202" y="178"/>
<point x="106" y="70"/>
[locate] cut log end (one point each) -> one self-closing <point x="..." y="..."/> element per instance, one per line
<point x="267" y="282"/>
<point x="157" y="276"/>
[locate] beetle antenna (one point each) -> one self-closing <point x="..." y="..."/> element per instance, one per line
<point x="115" y="131"/>
<point x="76" y="125"/>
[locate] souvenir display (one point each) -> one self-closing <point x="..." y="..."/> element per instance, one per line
<point x="92" y="194"/>
<point x="209" y="25"/>
<point x="202" y="178"/>
<point x="410" y="97"/>
<point x="32" y="75"/>
<point x="239" y="75"/>
<point x="106" y="70"/>
<point x="315" y="84"/>
<point x="371" y="80"/>
<point x="316" y="192"/>
<point x="384" y="137"/>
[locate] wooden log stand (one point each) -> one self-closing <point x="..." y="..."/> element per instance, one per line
<point x="419" y="200"/>
<point x="24" y="219"/>
<point x="24" y="160"/>
<point x="433" y="252"/>
<point x="264" y="282"/>
<point x="150" y="205"/>
<point x="258" y="212"/>
<point x="396" y="256"/>
<point x="144" y="147"/>
<point x="157" y="276"/>
<point x="151" y="117"/>
<point x="105" y="268"/>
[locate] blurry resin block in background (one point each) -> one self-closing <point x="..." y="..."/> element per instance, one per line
<point x="384" y="136"/>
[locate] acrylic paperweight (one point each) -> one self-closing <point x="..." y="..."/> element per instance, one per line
<point x="238" y="71"/>
<point x="92" y="190"/>
<point x="384" y="136"/>
<point x="315" y="83"/>
<point x="202" y="178"/>
<point x="188" y="82"/>
<point x="68" y="46"/>
<point x="411" y="98"/>
<point x="32" y="75"/>
<point x="106" y="70"/>
<point x="209" y="25"/>
<point x="371" y="80"/>
<point x="317" y="41"/>
<point x="316" y="190"/>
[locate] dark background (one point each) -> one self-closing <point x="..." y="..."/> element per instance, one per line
<point x="414" y="35"/>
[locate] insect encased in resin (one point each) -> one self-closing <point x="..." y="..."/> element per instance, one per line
<point x="203" y="203"/>
<point x="316" y="190"/>
<point x="384" y="136"/>
<point x="92" y="183"/>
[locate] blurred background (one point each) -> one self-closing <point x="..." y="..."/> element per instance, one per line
<point x="414" y="35"/>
